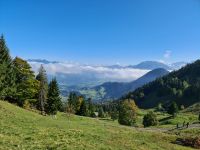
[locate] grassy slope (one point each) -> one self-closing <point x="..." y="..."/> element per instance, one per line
<point x="21" y="129"/>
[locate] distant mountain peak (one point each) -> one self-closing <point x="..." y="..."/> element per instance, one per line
<point x="43" y="61"/>
<point x="151" y="65"/>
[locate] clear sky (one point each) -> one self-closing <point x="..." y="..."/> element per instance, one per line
<point x="102" y="31"/>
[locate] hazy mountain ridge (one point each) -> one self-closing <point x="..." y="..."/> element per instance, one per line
<point x="114" y="90"/>
<point x="98" y="81"/>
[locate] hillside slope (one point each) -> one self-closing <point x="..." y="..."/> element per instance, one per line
<point x="114" y="90"/>
<point x="182" y="86"/>
<point x="21" y="129"/>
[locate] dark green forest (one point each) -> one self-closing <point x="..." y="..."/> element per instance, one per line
<point x="182" y="86"/>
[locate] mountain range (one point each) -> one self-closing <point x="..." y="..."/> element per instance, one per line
<point x="102" y="81"/>
<point x="115" y="90"/>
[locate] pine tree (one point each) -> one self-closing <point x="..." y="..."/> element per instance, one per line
<point x="7" y="74"/>
<point x="53" y="98"/>
<point x="43" y="89"/>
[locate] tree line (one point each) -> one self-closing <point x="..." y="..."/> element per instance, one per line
<point x="19" y="85"/>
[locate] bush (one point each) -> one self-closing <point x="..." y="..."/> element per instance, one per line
<point x="26" y="104"/>
<point x="101" y="113"/>
<point x="127" y="112"/>
<point x="114" y="115"/>
<point x="150" y="119"/>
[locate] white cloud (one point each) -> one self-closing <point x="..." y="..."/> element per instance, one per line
<point x="101" y="72"/>
<point x="167" y="54"/>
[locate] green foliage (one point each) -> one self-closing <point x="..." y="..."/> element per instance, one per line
<point x="114" y="115"/>
<point x="43" y="89"/>
<point x="53" y="98"/>
<point x="150" y="119"/>
<point x="199" y="117"/>
<point x="7" y="74"/>
<point x="26" y="104"/>
<point x="173" y="109"/>
<point x="83" y="111"/>
<point x="74" y="101"/>
<point x="127" y="112"/>
<point x="182" y="85"/>
<point x="21" y="129"/>
<point x="160" y="107"/>
<point x="27" y="85"/>
<point x="101" y="113"/>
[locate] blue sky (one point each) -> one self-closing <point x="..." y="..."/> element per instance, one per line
<point x="102" y="31"/>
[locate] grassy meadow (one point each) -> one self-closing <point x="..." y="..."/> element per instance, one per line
<point x="23" y="129"/>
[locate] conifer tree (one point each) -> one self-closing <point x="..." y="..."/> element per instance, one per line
<point x="43" y="89"/>
<point x="7" y="74"/>
<point x="53" y="98"/>
<point x="173" y="109"/>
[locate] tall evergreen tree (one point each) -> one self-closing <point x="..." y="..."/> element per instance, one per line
<point x="7" y="74"/>
<point x="43" y="89"/>
<point x="53" y="98"/>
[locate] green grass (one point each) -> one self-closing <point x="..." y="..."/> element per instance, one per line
<point x="22" y="129"/>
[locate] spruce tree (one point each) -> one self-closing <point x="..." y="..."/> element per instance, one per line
<point x="43" y="89"/>
<point x="7" y="74"/>
<point x="53" y="98"/>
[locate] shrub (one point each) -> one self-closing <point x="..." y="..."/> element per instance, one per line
<point x="150" y="119"/>
<point x="101" y="113"/>
<point x="26" y="104"/>
<point x="114" y="115"/>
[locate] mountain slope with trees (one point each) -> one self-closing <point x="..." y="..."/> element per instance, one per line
<point x="114" y="90"/>
<point x="182" y="86"/>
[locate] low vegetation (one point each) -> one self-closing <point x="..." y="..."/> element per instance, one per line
<point x="22" y="129"/>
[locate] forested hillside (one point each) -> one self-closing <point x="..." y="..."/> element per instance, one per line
<point x="182" y="86"/>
